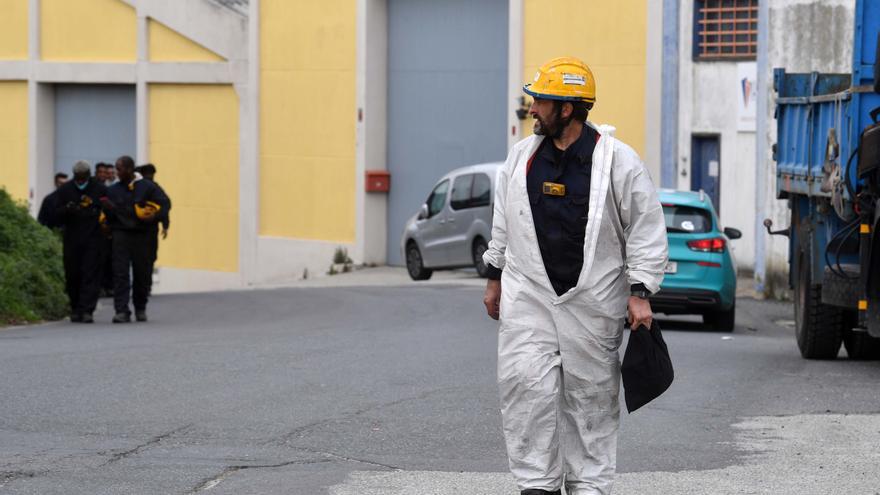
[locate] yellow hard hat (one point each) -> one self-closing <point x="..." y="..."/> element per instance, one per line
<point x="565" y="79"/>
<point x="148" y="211"/>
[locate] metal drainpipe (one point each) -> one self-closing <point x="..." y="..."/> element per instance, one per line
<point x="761" y="135"/>
<point x="669" y="105"/>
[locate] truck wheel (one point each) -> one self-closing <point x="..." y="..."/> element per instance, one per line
<point x="860" y="345"/>
<point x="817" y="326"/>
<point x="479" y="248"/>
<point x="723" y="321"/>
<point x="415" y="266"/>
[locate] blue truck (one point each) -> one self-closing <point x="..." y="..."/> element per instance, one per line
<point x="828" y="169"/>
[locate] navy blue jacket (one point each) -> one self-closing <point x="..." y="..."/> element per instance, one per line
<point x="561" y="221"/>
<point x="78" y="210"/>
<point x="48" y="210"/>
<point x="122" y="198"/>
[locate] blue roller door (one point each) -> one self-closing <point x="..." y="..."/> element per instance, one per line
<point x="447" y="96"/>
<point x="94" y="122"/>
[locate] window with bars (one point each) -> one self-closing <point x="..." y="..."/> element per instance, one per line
<point x="725" y="29"/>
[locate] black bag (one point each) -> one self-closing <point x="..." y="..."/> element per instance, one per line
<point x="647" y="368"/>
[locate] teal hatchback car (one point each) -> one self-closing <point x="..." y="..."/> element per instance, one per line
<point x="701" y="274"/>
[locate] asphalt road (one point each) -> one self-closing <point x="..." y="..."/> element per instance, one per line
<point x="391" y="390"/>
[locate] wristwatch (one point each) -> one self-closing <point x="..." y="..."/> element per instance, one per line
<point x="640" y="292"/>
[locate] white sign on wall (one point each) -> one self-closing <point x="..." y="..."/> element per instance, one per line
<point x="713" y="168"/>
<point x="747" y="91"/>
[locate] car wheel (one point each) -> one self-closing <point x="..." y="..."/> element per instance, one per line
<point x="480" y="247"/>
<point x="723" y="321"/>
<point x="860" y="345"/>
<point x="817" y="325"/>
<point x="415" y="265"/>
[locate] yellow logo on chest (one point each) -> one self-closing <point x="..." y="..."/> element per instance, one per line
<point x="554" y="189"/>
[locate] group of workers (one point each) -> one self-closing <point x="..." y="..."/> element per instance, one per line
<point x="110" y="224"/>
<point x="578" y="243"/>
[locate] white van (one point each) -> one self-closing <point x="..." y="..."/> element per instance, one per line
<point x="453" y="227"/>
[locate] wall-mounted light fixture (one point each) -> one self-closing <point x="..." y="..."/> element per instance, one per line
<point x="522" y="113"/>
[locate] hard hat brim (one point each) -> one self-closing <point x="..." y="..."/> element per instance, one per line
<point x="545" y="96"/>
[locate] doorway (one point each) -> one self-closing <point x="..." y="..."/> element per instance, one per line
<point x="94" y="122"/>
<point x="706" y="167"/>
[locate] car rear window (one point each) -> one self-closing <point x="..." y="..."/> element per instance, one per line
<point x="687" y="219"/>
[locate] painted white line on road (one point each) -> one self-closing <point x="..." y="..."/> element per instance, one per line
<point x="790" y="455"/>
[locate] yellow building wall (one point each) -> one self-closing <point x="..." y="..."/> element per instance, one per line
<point x="14" y="138"/>
<point x="610" y="37"/>
<point x="167" y="45"/>
<point x="13" y="29"/>
<point x="307" y="119"/>
<point x="194" y="144"/>
<point x="88" y="31"/>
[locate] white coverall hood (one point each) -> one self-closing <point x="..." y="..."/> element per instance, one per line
<point x="558" y="363"/>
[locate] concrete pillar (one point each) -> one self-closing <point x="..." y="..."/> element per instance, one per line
<point x="371" y="129"/>
<point x="670" y="105"/>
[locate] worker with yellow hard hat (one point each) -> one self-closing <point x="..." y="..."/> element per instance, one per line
<point x="133" y="205"/>
<point x="563" y="79"/>
<point x="578" y="243"/>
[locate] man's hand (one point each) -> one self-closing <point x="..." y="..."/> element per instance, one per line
<point x="639" y="313"/>
<point x="164" y="233"/>
<point x="492" y="298"/>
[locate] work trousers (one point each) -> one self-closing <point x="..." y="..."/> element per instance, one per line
<point x="559" y="378"/>
<point x="154" y="244"/>
<point x="132" y="278"/>
<point x="82" y="273"/>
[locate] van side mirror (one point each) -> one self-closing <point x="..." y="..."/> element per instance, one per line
<point x="423" y="212"/>
<point x="732" y="233"/>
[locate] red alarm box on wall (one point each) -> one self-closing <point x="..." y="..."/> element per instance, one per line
<point x="378" y="181"/>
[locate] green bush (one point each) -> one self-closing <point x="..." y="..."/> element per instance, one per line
<point x="31" y="268"/>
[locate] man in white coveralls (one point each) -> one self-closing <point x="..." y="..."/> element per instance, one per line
<point x="578" y="240"/>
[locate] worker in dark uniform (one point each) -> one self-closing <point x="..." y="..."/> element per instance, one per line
<point x="78" y="212"/>
<point x="133" y="205"/>
<point x="49" y="206"/>
<point x="148" y="171"/>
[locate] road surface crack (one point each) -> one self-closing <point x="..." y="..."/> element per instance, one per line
<point x="7" y="477"/>
<point x="213" y="481"/>
<point x="284" y="439"/>
<point x="149" y="443"/>
<point x="350" y="459"/>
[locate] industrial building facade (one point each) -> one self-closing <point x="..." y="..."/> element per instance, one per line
<point x="719" y="125"/>
<point x="265" y="117"/>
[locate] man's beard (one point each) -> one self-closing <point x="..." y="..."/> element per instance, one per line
<point x="553" y="126"/>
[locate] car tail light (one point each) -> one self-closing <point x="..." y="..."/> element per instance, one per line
<point x="715" y="245"/>
<point x="709" y="264"/>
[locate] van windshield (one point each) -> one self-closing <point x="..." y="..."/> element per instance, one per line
<point x="687" y="219"/>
